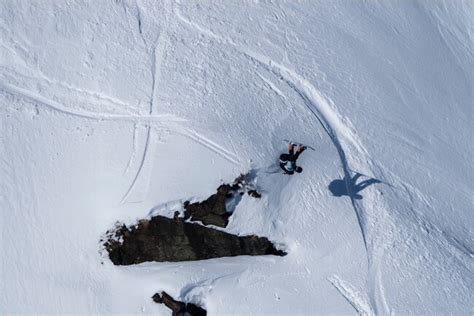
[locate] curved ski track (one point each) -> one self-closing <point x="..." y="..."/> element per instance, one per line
<point x="332" y="124"/>
<point x="354" y="297"/>
<point x="157" y="51"/>
<point x="157" y="42"/>
<point x="318" y="105"/>
<point x="140" y="166"/>
<point x="320" y="108"/>
<point x="164" y="121"/>
<point x="98" y="116"/>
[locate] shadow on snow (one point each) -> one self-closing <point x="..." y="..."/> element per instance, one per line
<point x="342" y="187"/>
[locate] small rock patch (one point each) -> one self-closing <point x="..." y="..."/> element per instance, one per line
<point x="214" y="210"/>
<point x="178" y="308"/>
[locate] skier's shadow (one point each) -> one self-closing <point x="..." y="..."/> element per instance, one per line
<point x="339" y="187"/>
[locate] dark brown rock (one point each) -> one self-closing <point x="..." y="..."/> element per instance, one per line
<point x="165" y="239"/>
<point x="178" y="308"/>
<point x="254" y="193"/>
<point x="213" y="211"/>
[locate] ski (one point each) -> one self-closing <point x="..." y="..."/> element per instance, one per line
<point x="297" y="143"/>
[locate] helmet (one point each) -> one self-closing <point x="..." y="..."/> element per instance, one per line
<point x="299" y="169"/>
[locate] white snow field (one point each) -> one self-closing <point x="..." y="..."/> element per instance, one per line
<point x="116" y="110"/>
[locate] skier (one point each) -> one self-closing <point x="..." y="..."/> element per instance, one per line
<point x="288" y="161"/>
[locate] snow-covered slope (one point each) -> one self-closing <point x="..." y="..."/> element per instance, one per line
<point x="114" y="110"/>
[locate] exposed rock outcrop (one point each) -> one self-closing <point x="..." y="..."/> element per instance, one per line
<point x="166" y="239"/>
<point x="214" y="210"/>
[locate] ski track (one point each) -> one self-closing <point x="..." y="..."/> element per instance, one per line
<point x="57" y="107"/>
<point x="159" y="53"/>
<point x="153" y="79"/>
<point x="320" y="109"/>
<point x="125" y="11"/>
<point x="164" y="120"/>
<point x="354" y="297"/>
<point x="191" y="134"/>
<point x="95" y="95"/>
<point x="462" y="253"/>
<point x="140" y="167"/>
<point x="139" y="20"/>
<point x="209" y="144"/>
<point x="377" y="296"/>
<point x="159" y="44"/>
<point x="151" y="53"/>
<point x="333" y="125"/>
<point x="271" y="86"/>
<point x="134" y="149"/>
<point x="460" y="246"/>
<point x="156" y="50"/>
<point x="200" y="29"/>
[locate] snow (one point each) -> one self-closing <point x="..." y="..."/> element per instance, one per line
<point x="119" y="110"/>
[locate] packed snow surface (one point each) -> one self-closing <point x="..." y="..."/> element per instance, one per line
<point x="117" y="110"/>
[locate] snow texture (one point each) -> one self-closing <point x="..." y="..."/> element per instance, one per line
<point x="120" y="110"/>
